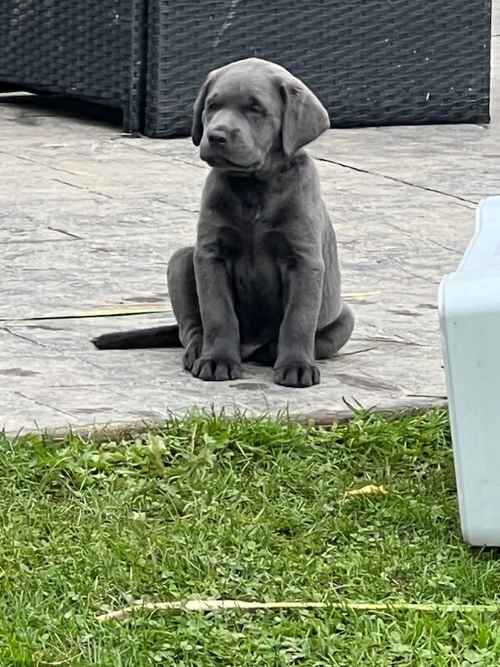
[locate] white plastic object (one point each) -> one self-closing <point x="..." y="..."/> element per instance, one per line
<point x="469" y="311"/>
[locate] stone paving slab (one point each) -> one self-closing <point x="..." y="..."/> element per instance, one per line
<point x="89" y="218"/>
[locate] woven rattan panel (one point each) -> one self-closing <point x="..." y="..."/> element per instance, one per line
<point x="92" y="49"/>
<point x="374" y="62"/>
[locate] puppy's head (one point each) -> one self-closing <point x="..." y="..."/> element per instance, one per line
<point x="251" y="115"/>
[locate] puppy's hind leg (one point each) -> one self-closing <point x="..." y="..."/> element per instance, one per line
<point x="331" y="338"/>
<point x="184" y="299"/>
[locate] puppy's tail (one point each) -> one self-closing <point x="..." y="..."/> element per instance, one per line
<point x="166" y="336"/>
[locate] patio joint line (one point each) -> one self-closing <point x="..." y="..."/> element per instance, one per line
<point x="82" y="188"/>
<point x="63" y="231"/>
<point x="16" y="335"/>
<point x="39" y="164"/>
<point x="45" y="405"/>
<point x="402" y="181"/>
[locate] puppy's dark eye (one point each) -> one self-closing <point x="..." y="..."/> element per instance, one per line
<point x="255" y="107"/>
<point x="212" y="106"/>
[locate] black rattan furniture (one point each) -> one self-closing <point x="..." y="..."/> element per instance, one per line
<point x="90" y="49"/>
<point x="371" y="62"/>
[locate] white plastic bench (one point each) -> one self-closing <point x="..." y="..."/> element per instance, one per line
<point x="469" y="309"/>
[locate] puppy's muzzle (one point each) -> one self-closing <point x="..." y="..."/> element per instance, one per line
<point x="217" y="138"/>
<point x="223" y="147"/>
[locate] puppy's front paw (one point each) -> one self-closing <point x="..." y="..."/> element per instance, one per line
<point x="296" y="374"/>
<point x="208" y="368"/>
<point x="192" y="352"/>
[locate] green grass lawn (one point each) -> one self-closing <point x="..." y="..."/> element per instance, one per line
<point x="251" y="510"/>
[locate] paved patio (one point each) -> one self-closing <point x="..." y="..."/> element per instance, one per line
<point x="89" y="218"/>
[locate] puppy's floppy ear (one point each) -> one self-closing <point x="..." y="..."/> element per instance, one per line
<point x="198" y="108"/>
<point x="304" y="117"/>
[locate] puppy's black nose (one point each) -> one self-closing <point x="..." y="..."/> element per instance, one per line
<point x="217" y="137"/>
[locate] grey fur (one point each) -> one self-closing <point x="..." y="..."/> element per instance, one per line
<point x="262" y="282"/>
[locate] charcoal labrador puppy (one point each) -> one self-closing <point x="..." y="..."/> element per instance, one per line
<point x="262" y="282"/>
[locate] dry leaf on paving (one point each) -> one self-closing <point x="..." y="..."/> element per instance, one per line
<point x="368" y="490"/>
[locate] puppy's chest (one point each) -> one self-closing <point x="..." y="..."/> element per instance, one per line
<point x="252" y="233"/>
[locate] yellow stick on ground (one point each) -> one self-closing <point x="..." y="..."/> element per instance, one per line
<point x="222" y="605"/>
<point x="368" y="490"/>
